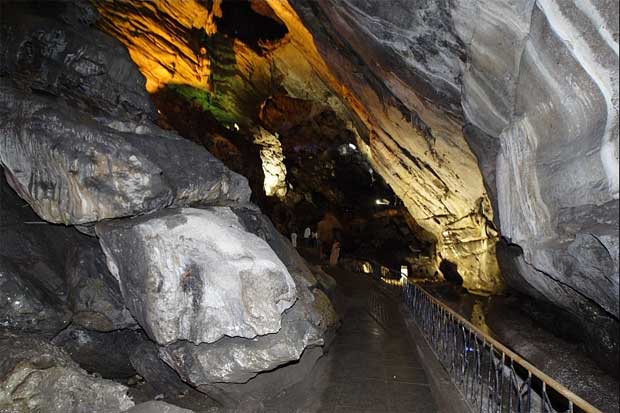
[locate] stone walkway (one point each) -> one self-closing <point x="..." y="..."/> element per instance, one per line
<point x="372" y="365"/>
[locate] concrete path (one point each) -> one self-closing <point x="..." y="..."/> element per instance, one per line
<point x="372" y="365"/>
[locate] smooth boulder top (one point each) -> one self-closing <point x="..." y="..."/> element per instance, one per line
<point x="197" y="275"/>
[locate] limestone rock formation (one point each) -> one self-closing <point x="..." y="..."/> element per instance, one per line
<point x="435" y="174"/>
<point x="63" y="57"/>
<point x="258" y="224"/>
<point x="37" y="376"/>
<point x="534" y="86"/>
<point x="27" y="306"/>
<point x="197" y="275"/>
<point x="237" y="360"/>
<point x="79" y="147"/>
<point x="93" y="293"/>
<point x="236" y="370"/>
<point x="443" y="94"/>
<point x="251" y="396"/>
<point x="73" y="169"/>
<point x="550" y="99"/>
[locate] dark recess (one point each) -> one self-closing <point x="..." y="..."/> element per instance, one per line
<point x="240" y="21"/>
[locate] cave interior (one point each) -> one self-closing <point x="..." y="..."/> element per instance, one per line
<point x="152" y="149"/>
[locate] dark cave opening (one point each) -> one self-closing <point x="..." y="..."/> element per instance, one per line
<point x="240" y="20"/>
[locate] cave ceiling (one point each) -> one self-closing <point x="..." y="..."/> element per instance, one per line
<point x="349" y="132"/>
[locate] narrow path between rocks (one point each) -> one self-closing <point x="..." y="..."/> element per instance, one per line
<point x="372" y="364"/>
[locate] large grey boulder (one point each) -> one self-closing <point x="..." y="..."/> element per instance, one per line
<point x="239" y="371"/>
<point x="73" y="169"/>
<point x="38" y="377"/>
<point x="197" y="275"/>
<point x="235" y="370"/>
<point x="253" y="395"/>
<point x="94" y="294"/>
<point x="236" y="359"/>
<point x="255" y="222"/>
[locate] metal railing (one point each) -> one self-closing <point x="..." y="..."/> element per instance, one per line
<point x="491" y="377"/>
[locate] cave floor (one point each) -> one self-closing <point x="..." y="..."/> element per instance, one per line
<point x="371" y="366"/>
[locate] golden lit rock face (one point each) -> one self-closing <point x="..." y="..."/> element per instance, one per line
<point x="163" y="38"/>
<point x="435" y="174"/>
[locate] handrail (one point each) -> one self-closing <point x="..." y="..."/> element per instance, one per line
<point x="493" y="345"/>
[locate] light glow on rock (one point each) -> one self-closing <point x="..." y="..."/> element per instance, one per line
<point x="272" y="159"/>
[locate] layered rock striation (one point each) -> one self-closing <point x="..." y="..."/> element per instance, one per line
<point x="530" y="88"/>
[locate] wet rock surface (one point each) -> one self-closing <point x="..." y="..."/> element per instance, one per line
<point x="36" y="376"/>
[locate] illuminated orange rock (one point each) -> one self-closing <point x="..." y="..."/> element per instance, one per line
<point x="420" y="152"/>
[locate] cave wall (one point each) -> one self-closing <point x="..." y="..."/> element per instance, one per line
<point x="530" y="88"/>
<point x="542" y="80"/>
<point x="546" y="86"/>
<point x="485" y="117"/>
<point x="421" y="154"/>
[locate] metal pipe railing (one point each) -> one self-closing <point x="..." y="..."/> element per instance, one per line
<point x="491" y="377"/>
